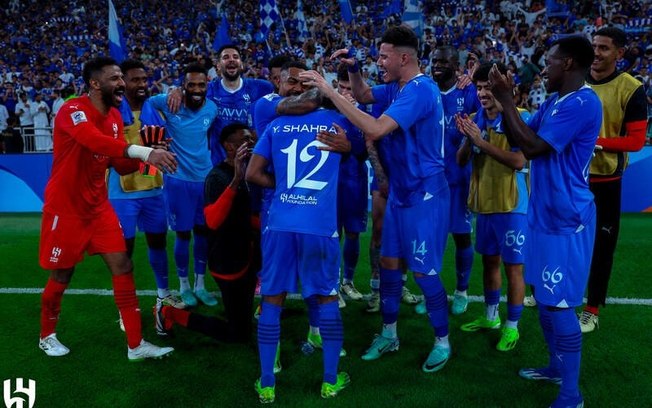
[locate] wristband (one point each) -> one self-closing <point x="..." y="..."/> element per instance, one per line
<point x="355" y="67"/>
<point x="139" y="152"/>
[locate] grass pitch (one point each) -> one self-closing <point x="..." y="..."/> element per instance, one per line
<point x="616" y="365"/>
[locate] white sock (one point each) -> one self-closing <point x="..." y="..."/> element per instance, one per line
<point x="314" y="330"/>
<point x="346" y="281"/>
<point x="442" y="341"/>
<point x="162" y="293"/>
<point x="199" y="282"/>
<point x="511" y="324"/>
<point x="389" y="330"/>
<point x="492" y="312"/>
<point x="184" y="284"/>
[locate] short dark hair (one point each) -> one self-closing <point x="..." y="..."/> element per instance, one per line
<point x="279" y="60"/>
<point x="224" y="47"/>
<point x="482" y="73"/>
<point x="94" y="66"/>
<point x="230" y="129"/>
<point x="342" y="72"/>
<point x="401" y="36"/>
<point x="294" y="64"/>
<point x="578" y="48"/>
<point x="449" y="49"/>
<point x="195" y="67"/>
<point x="131" y="64"/>
<point x="617" y="35"/>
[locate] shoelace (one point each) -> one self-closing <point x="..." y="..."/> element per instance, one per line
<point x="585" y="317"/>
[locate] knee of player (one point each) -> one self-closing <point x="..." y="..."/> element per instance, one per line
<point x="123" y="266"/>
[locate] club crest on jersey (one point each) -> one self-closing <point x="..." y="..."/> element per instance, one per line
<point x="115" y="130"/>
<point x="78" y="117"/>
<point x="207" y="122"/>
<point x="56" y="253"/>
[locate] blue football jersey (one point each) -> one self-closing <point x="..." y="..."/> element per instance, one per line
<point x="560" y="199"/>
<point x="305" y="198"/>
<point x="233" y="107"/>
<point x="416" y="149"/>
<point x="457" y="101"/>
<point x="188" y="130"/>
<point x="265" y="111"/>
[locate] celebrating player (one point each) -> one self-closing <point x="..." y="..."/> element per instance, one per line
<point x="77" y="215"/>
<point x="302" y="240"/>
<point x="499" y="195"/>
<point x="559" y="141"/>
<point x="188" y="129"/>
<point x="234" y="245"/>
<point x="415" y="227"/>
<point x="137" y="198"/>
<point x="445" y="62"/>
<point x="624" y="114"/>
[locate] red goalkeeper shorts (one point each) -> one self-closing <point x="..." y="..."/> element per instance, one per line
<point x="64" y="239"/>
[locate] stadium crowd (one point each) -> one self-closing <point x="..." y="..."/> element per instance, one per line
<point x="45" y="45"/>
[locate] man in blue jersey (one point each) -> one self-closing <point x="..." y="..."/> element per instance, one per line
<point x="445" y="64"/>
<point x="137" y="198"/>
<point x="266" y="109"/>
<point x="352" y="210"/>
<point x="234" y="96"/>
<point x="352" y="200"/>
<point x="559" y="141"/>
<point x="499" y="197"/>
<point x="415" y="224"/>
<point x="302" y="240"/>
<point x="188" y="129"/>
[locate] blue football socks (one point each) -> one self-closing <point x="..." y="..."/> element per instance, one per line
<point x="269" y="333"/>
<point x="332" y="334"/>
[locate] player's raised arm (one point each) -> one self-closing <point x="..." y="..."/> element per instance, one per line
<point x="372" y="128"/>
<point x="515" y="128"/>
<point x="361" y="90"/>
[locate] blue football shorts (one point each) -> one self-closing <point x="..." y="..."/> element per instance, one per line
<point x="502" y="234"/>
<point x="352" y="203"/>
<point x="185" y="201"/>
<point x="147" y="213"/>
<point x="461" y="217"/>
<point x="417" y="234"/>
<point x="558" y="265"/>
<point x="292" y="257"/>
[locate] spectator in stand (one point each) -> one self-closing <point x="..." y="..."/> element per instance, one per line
<point x="40" y="115"/>
<point x="24" y="113"/>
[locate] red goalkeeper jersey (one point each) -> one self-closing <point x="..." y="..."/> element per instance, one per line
<point x="85" y="141"/>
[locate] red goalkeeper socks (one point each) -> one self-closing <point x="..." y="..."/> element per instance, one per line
<point x="51" y="306"/>
<point x="124" y="292"/>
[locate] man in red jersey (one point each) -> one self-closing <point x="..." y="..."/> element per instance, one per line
<point x="77" y="216"/>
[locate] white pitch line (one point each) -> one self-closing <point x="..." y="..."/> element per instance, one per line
<point x="293" y="296"/>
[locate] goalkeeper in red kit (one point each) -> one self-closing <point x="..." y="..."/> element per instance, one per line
<point x="77" y="215"/>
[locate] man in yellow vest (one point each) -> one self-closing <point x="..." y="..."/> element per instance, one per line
<point x="624" y="118"/>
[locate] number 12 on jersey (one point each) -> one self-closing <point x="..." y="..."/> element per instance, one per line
<point x="305" y="156"/>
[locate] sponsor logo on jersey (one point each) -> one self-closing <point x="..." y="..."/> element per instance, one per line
<point x="298" y="199"/>
<point x="78" y="117"/>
